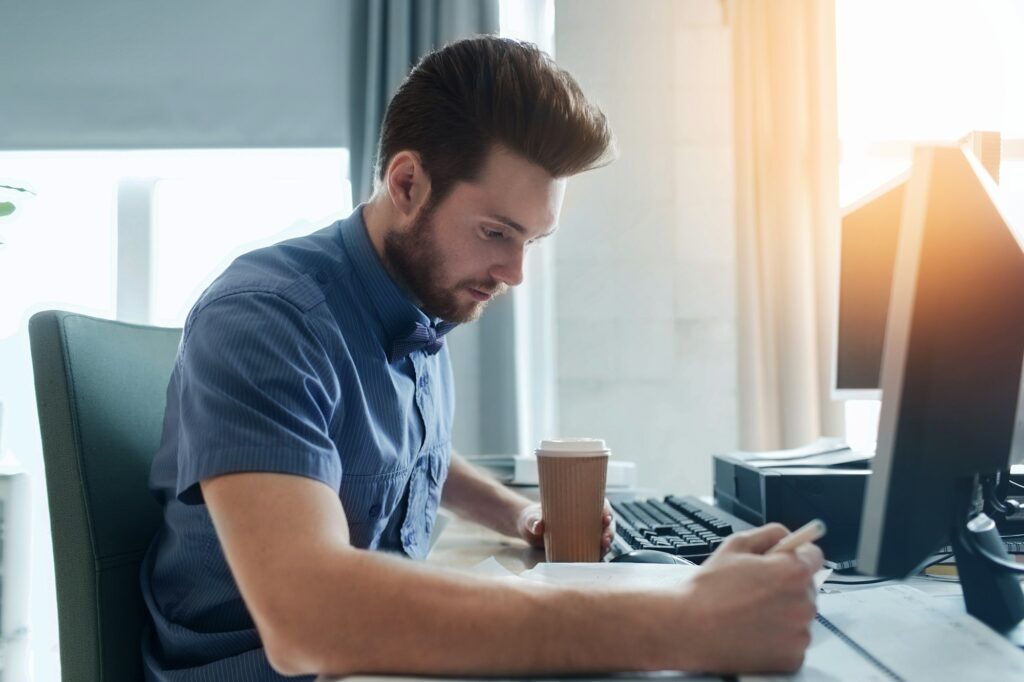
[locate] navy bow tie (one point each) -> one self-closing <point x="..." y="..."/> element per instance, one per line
<point x="428" y="339"/>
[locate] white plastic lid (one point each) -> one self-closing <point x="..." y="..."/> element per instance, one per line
<point x="573" y="447"/>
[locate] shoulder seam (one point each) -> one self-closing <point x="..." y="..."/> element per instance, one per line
<point x="276" y="293"/>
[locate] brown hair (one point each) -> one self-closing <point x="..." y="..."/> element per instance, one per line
<point x="472" y="94"/>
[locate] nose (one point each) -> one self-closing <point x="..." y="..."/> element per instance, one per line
<point x="510" y="270"/>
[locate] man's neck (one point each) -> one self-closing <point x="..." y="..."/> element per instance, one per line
<point x="376" y="216"/>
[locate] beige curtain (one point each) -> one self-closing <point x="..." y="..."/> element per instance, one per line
<point x="787" y="167"/>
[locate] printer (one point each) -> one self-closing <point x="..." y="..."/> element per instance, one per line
<point x="761" y="490"/>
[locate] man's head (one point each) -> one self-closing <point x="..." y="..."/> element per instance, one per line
<point x="474" y="151"/>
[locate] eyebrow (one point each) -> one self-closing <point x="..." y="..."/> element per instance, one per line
<point x="517" y="227"/>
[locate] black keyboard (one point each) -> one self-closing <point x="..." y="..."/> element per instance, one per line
<point x="690" y="528"/>
<point x="683" y="526"/>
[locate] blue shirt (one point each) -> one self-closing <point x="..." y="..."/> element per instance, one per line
<point x="283" y="367"/>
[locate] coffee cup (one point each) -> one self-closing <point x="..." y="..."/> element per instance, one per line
<point x="573" y="473"/>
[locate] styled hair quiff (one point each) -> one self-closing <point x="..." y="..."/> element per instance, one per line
<point x="470" y="95"/>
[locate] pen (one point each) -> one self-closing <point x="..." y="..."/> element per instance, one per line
<point x="809" y="532"/>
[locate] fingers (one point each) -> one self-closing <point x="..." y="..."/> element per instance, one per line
<point x="530" y="524"/>
<point x="756" y="540"/>
<point x="608" y="523"/>
<point x="811" y="556"/>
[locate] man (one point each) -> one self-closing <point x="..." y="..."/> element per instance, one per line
<point x="309" y="416"/>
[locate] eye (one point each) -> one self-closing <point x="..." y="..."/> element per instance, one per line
<point x="493" y="234"/>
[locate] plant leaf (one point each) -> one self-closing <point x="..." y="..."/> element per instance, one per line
<point x="17" y="189"/>
<point x="6" y="208"/>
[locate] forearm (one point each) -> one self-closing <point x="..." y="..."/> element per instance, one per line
<point x="373" y="614"/>
<point x="479" y="497"/>
<point x="323" y="607"/>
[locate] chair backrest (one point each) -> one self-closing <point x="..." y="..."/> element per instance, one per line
<point x="101" y="391"/>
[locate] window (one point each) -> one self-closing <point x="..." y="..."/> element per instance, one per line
<point x="211" y="206"/>
<point x="61" y="251"/>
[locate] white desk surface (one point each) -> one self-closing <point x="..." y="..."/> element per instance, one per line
<point x="463" y="545"/>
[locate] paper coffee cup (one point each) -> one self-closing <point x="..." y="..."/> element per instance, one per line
<point x="573" y="474"/>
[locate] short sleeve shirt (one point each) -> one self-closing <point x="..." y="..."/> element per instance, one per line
<point x="284" y="367"/>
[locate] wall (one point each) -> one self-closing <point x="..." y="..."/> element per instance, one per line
<point x="645" y="258"/>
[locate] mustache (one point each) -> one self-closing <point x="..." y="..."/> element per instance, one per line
<point x="491" y="288"/>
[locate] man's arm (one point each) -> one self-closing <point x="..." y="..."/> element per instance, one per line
<point x="479" y="497"/>
<point x="321" y="606"/>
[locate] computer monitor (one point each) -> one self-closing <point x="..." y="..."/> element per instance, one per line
<point x="868" y="238"/>
<point x="951" y="377"/>
<point x="869" y="230"/>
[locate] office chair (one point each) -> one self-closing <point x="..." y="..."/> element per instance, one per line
<point x="100" y="390"/>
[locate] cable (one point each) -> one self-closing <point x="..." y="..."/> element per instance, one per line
<point x="942" y="558"/>
<point x="873" y="581"/>
<point x="870" y="581"/>
<point x="1014" y="483"/>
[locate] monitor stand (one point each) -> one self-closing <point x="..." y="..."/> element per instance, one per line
<point x="992" y="593"/>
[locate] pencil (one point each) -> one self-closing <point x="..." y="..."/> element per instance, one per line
<point x="811" y="531"/>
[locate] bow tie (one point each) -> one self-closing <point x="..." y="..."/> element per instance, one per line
<point x="428" y="339"/>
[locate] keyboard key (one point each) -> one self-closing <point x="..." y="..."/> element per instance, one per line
<point x="676" y="525"/>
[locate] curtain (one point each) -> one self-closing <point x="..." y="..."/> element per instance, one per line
<point x="386" y="39"/>
<point x="787" y="167"/>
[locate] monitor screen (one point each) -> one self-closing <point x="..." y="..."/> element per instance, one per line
<point x="951" y="362"/>
<point x="869" y="234"/>
<point x="870" y="229"/>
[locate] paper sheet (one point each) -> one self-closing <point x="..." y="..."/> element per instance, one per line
<point x="818" y="447"/>
<point x="605" y="575"/>
<point x="917" y="636"/>
<point x="826" y="459"/>
<point x="829" y="659"/>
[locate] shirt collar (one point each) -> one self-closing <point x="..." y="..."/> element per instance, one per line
<point x="390" y="303"/>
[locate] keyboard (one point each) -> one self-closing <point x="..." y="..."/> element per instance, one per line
<point x="692" y="529"/>
<point x="684" y="526"/>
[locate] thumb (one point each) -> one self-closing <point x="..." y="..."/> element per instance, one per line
<point x="530" y="520"/>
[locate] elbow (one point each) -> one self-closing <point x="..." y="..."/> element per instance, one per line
<point x="286" y="659"/>
<point x="293" y="650"/>
<point x="289" y="649"/>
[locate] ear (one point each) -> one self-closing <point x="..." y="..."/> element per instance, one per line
<point x="407" y="183"/>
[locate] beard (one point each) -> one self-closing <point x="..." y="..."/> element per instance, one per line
<point x="416" y="260"/>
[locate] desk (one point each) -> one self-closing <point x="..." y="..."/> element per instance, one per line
<point x="463" y="545"/>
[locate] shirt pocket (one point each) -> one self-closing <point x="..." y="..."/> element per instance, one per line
<point x="369" y="503"/>
<point x="425" y="486"/>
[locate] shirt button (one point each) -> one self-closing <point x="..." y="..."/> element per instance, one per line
<point x="374" y="511"/>
<point x="321" y="277"/>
